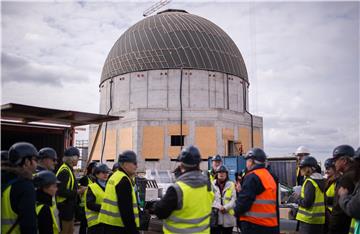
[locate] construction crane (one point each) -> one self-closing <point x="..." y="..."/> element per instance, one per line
<point x="155" y="7"/>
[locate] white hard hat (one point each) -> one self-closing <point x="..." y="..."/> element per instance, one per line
<point x="302" y="150"/>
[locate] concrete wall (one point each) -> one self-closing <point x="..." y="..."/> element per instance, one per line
<point x="213" y="115"/>
<point x="160" y="89"/>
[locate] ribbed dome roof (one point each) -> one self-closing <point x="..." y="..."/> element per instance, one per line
<point x="174" y="39"/>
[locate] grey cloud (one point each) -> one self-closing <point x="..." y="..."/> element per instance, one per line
<point x="19" y="69"/>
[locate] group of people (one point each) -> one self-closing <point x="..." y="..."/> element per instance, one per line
<point x="35" y="200"/>
<point x="329" y="205"/>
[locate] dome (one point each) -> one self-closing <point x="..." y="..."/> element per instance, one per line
<point x="174" y="39"/>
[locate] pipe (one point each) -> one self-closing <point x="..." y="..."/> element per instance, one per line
<point x="181" y="110"/>
<point x="251" y="116"/>
<point x="105" y="130"/>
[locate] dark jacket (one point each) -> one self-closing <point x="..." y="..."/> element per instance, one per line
<point x="125" y="203"/>
<point x="350" y="203"/>
<point x="251" y="187"/>
<point x="169" y="202"/>
<point x="339" y="222"/>
<point x="44" y="218"/>
<point x="67" y="208"/>
<point x="22" y="197"/>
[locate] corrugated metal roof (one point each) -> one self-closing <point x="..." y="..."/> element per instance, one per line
<point x="26" y="114"/>
<point x="174" y="39"/>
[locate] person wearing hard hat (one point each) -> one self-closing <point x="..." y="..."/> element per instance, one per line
<point x="350" y="203"/>
<point x="68" y="191"/>
<point x="300" y="152"/>
<point x="340" y="222"/>
<point x="84" y="182"/>
<point x="46" y="186"/>
<point x="311" y="212"/>
<point x="94" y="196"/>
<point x="17" y="190"/>
<point x="256" y="205"/>
<point x="224" y="202"/>
<point x="119" y="211"/>
<point x="186" y="206"/>
<point x="330" y="183"/>
<point x="47" y="159"/>
<point x="216" y="162"/>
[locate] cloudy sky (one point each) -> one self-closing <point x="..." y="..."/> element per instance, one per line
<point x="302" y="60"/>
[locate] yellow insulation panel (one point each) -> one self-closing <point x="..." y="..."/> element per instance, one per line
<point x="205" y="139"/>
<point x="174" y="129"/>
<point x="153" y="142"/>
<point x="245" y="138"/>
<point x="125" y="139"/>
<point x="110" y="145"/>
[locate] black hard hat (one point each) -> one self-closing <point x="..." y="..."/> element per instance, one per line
<point x="343" y="150"/>
<point x="47" y="152"/>
<point x="127" y="156"/>
<point x="357" y="154"/>
<point x="45" y="178"/>
<point x="190" y="156"/>
<point x="222" y="168"/>
<point x="216" y="158"/>
<point x="101" y="168"/>
<point x="4" y="155"/>
<point x="256" y="154"/>
<point x="329" y="163"/>
<point x="21" y="150"/>
<point x="72" y="151"/>
<point x="91" y="165"/>
<point x="308" y="161"/>
<point x="115" y="166"/>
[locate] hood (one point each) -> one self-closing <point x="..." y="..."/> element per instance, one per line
<point x="319" y="179"/>
<point x="194" y="179"/>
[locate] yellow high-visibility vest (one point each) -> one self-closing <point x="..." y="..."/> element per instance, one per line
<point x="92" y="216"/>
<point x="330" y="192"/>
<point x="352" y="226"/>
<point x="52" y="208"/>
<point x="70" y="183"/>
<point x="316" y="213"/>
<point x="194" y="215"/>
<point x="109" y="213"/>
<point x="8" y="216"/>
<point x="227" y="197"/>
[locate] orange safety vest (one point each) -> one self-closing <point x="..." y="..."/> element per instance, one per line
<point x="263" y="211"/>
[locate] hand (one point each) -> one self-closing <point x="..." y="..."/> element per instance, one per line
<point x="81" y="190"/>
<point x="238" y="187"/>
<point x="222" y="209"/>
<point x="343" y="191"/>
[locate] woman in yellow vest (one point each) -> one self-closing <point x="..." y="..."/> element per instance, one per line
<point x="94" y="197"/>
<point x="224" y="202"/>
<point x="311" y="213"/>
<point x="46" y="183"/>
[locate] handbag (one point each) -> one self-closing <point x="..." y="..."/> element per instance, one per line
<point x="214" y="217"/>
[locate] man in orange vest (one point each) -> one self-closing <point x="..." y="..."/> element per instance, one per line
<point x="256" y="205"/>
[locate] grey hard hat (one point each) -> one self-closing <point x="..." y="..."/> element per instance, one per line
<point x="308" y="161"/>
<point x="190" y="156"/>
<point x="216" y="158"/>
<point x="222" y="168"/>
<point x="127" y="156"/>
<point x="47" y="152"/>
<point x="343" y="150"/>
<point x="45" y="178"/>
<point x="256" y="154"/>
<point x="21" y="150"/>
<point x="101" y="168"/>
<point x="72" y="151"/>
